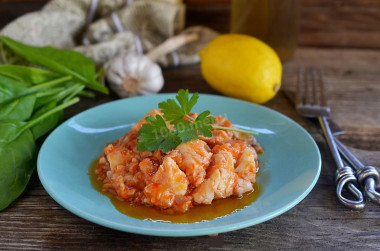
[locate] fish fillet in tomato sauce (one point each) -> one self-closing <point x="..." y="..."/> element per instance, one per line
<point x="194" y="173"/>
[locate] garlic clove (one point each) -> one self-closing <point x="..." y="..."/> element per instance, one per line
<point x="132" y="74"/>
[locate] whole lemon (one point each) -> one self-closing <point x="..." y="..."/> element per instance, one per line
<point x="241" y="66"/>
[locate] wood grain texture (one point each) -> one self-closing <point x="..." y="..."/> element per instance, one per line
<point x="352" y="86"/>
<point x="340" y="23"/>
<point x="330" y="23"/>
<point x="35" y="221"/>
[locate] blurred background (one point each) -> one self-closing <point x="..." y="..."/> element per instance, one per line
<point x="323" y="23"/>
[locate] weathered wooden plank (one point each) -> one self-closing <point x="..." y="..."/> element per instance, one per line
<point x="353" y="90"/>
<point x="35" y="221"/>
<point x="337" y="23"/>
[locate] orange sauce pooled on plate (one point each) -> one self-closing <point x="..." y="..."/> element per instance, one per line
<point x="198" y="213"/>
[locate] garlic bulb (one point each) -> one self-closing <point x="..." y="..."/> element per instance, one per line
<point x="132" y="74"/>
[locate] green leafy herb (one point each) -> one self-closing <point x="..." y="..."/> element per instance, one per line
<point x="31" y="105"/>
<point x="186" y="130"/>
<point x="65" y="62"/>
<point x="27" y="75"/>
<point x="174" y="112"/>
<point x="155" y="134"/>
<point x="17" y="153"/>
<point x="10" y="88"/>
<point x="18" y="109"/>
<point x="7" y="56"/>
<point x="203" y="123"/>
<point x="48" y="95"/>
<point x="18" y="162"/>
<point x="47" y="123"/>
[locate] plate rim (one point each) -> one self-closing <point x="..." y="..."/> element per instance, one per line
<point x="178" y="233"/>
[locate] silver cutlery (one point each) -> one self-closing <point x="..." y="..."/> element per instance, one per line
<point x="335" y="129"/>
<point x="368" y="176"/>
<point x="311" y="102"/>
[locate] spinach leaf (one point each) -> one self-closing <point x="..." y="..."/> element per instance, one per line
<point x="10" y="88"/>
<point x="18" y="152"/>
<point x="32" y="102"/>
<point x="17" y="161"/>
<point x="47" y="124"/>
<point x="38" y="119"/>
<point x="19" y="109"/>
<point x="46" y="96"/>
<point x="9" y="130"/>
<point x="7" y="56"/>
<point x="28" y="75"/>
<point x="55" y="94"/>
<point x="73" y="92"/>
<point x="87" y="94"/>
<point x="61" y="61"/>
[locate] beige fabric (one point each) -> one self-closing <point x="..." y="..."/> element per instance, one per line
<point x="41" y="28"/>
<point x="141" y="18"/>
<point x="88" y="26"/>
<point x="188" y="54"/>
<point x="117" y="44"/>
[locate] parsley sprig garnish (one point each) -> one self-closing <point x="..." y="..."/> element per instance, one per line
<point x="155" y="134"/>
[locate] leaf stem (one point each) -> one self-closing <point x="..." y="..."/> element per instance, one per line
<point x="227" y="128"/>
<point x="87" y="94"/>
<point x="75" y="91"/>
<point x="50" y="92"/>
<point x="3" y="58"/>
<point x="191" y="118"/>
<point x="61" y="95"/>
<point x="47" y="114"/>
<point x="234" y="129"/>
<point x="51" y="83"/>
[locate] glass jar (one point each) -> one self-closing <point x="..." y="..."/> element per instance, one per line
<point x="272" y="21"/>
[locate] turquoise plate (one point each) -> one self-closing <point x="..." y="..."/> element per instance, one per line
<point x="290" y="166"/>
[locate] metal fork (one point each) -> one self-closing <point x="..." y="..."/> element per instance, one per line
<point x="311" y="102"/>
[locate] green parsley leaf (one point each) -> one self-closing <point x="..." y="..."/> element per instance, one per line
<point x="171" y="142"/>
<point x="155" y="134"/>
<point x="204" y="123"/>
<point x="186" y="130"/>
<point x="175" y="113"/>
<point x="172" y="112"/>
<point x="186" y="103"/>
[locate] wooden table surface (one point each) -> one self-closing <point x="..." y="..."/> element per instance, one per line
<point x="36" y="221"/>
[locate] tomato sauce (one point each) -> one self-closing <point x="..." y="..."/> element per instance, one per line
<point x="198" y="213"/>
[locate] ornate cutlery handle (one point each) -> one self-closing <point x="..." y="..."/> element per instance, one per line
<point x="368" y="176"/>
<point x="345" y="177"/>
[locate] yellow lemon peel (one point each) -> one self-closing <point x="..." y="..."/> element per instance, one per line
<point x="241" y="66"/>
